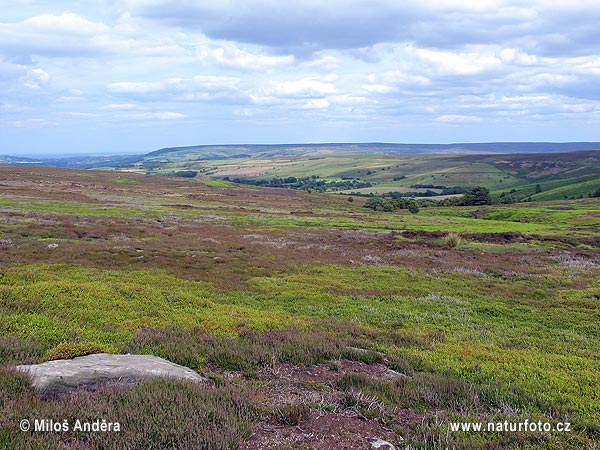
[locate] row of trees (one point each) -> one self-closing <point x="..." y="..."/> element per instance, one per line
<point x="476" y="196"/>
<point x="392" y="204"/>
<point x="313" y="183"/>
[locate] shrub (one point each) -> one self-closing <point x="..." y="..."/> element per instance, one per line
<point x="157" y="413"/>
<point x="400" y="365"/>
<point x="186" y="173"/>
<point x="453" y="240"/>
<point x="413" y="206"/>
<point x="252" y="349"/>
<point x="476" y="196"/>
<point x="69" y="350"/>
<point x="18" y="350"/>
<point x="291" y="413"/>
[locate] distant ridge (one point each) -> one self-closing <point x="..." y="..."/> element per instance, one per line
<point x="228" y="151"/>
<point x="246" y="150"/>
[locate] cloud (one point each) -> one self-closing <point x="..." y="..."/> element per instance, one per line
<point x="56" y="35"/>
<point x="66" y="24"/>
<point x="71" y="35"/>
<point x="302" y="26"/>
<point x="450" y="63"/>
<point x="303" y="88"/>
<point x="120" y="106"/>
<point x="306" y="25"/>
<point x="316" y="103"/>
<point x="197" y="88"/>
<point x="384" y="65"/>
<point x="294" y="93"/>
<point x="231" y="56"/>
<point x="165" y="115"/>
<point x="36" y="79"/>
<point x="457" y="118"/>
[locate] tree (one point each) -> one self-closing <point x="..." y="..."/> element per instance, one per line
<point x="186" y="173"/>
<point x="413" y="206"/>
<point x="478" y="195"/>
<point x="538" y="188"/>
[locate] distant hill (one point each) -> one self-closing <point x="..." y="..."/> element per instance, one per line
<point x="217" y="152"/>
<point x="276" y="150"/>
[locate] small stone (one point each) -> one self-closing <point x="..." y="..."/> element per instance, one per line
<point x="52" y="245"/>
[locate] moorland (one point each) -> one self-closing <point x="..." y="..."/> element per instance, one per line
<point x="318" y="322"/>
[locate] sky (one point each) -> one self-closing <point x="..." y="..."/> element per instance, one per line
<point x="107" y="76"/>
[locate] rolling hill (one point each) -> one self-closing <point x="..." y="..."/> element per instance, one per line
<point x="542" y="171"/>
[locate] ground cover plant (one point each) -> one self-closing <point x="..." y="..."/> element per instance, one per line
<point x="311" y="316"/>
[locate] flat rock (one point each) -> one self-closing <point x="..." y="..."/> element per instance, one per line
<point x="65" y="375"/>
<point x="381" y="444"/>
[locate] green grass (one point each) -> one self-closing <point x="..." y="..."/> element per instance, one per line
<point x="553" y="325"/>
<point x="54" y="304"/>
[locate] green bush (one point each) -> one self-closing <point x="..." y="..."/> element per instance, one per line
<point x="69" y="350"/>
<point x="453" y="240"/>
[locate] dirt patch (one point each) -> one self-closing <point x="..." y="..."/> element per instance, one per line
<point x="323" y="431"/>
<point x="327" y="424"/>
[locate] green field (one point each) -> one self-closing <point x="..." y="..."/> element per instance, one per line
<point x="560" y="175"/>
<point x="302" y="308"/>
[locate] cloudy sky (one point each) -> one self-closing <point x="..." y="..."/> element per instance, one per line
<point x="137" y="75"/>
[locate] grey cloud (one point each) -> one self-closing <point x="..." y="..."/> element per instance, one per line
<point x="548" y="28"/>
<point x="301" y="26"/>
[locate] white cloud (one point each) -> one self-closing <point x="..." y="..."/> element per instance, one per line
<point x="450" y="63"/>
<point x="165" y="115"/>
<point x="378" y="88"/>
<point x="197" y="88"/>
<point x="457" y="118"/>
<point x="316" y="103"/>
<point x="514" y="56"/>
<point x="36" y="79"/>
<point x="403" y="78"/>
<point x="66" y="23"/>
<point x="78" y="114"/>
<point x="303" y="88"/>
<point x="71" y="35"/>
<point x="120" y="106"/>
<point x="231" y="56"/>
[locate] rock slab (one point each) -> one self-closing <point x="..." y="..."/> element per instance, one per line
<point x="65" y="375"/>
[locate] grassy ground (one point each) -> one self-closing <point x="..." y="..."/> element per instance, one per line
<point x="311" y="316"/>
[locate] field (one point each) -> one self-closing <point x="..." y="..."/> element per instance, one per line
<point x="542" y="177"/>
<point x="319" y="323"/>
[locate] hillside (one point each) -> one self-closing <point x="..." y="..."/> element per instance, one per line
<point x="543" y="171"/>
<point x="559" y="175"/>
<point x="316" y="321"/>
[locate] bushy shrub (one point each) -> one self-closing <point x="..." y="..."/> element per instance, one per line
<point x="453" y="240"/>
<point x="476" y="196"/>
<point x="69" y="350"/>
<point x="291" y="413"/>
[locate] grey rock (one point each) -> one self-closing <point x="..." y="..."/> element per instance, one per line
<point x="381" y="444"/>
<point x="57" y="377"/>
<point x="396" y="374"/>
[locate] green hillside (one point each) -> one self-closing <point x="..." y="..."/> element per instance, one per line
<point x="559" y="175"/>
